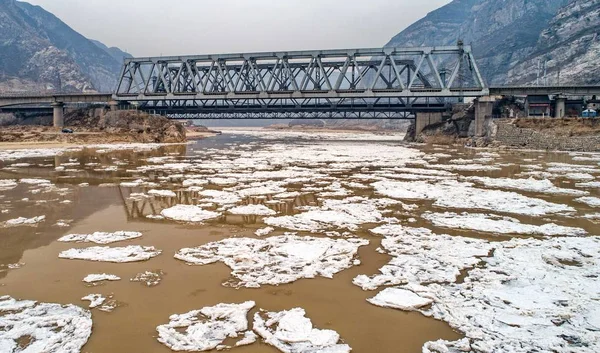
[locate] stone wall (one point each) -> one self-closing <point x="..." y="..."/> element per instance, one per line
<point x="510" y="135"/>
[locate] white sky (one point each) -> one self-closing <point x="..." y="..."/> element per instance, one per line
<point x="178" y="27"/>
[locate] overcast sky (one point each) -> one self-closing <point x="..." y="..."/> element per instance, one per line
<point x="177" y="27"/>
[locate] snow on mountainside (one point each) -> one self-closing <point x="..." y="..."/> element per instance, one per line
<point x="509" y="37"/>
<point x="38" y="52"/>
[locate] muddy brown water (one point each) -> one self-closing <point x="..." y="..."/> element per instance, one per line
<point x="334" y="304"/>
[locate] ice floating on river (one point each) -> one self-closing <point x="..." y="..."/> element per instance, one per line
<point x="590" y="201"/>
<point x="22" y="221"/>
<point x="93" y="278"/>
<point x="149" y="278"/>
<point x="94" y="299"/>
<point x="100" y="237"/>
<point x="277" y="260"/>
<point x="220" y="197"/>
<point x="291" y="331"/>
<point x="47" y="327"/>
<point x="207" y="328"/>
<point x="130" y="253"/>
<point x="591" y="185"/>
<point x="398" y="298"/>
<point x="531" y="185"/>
<point x="454" y="194"/>
<point x="188" y="213"/>
<point x="498" y="224"/>
<point x="7" y="184"/>
<point x="421" y="256"/>
<point x="531" y="296"/>
<point x="257" y="210"/>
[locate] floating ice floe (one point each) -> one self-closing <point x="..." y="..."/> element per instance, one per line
<point x="530" y="185"/>
<point x="130" y="253"/>
<point x="257" y="210"/>
<point x="454" y="194"/>
<point x="590" y="201"/>
<point x="592" y="216"/>
<point x="93" y="278"/>
<point x="421" y="256"/>
<point x="162" y="193"/>
<point x="219" y="197"/>
<point x="264" y="231"/>
<point x="333" y="214"/>
<point x="277" y="260"/>
<point x="149" y="278"/>
<point x="498" y="224"/>
<point x="531" y="296"/>
<point x="578" y="176"/>
<point x="22" y="221"/>
<point x="46" y="327"/>
<point x="94" y="299"/>
<point x="207" y="328"/>
<point x="100" y="237"/>
<point x="291" y="331"/>
<point x="188" y="213"/>
<point x="398" y="298"/>
<point x="8" y="184"/>
<point x="591" y="185"/>
<point x="35" y="181"/>
<point x="466" y="167"/>
<point x="194" y="182"/>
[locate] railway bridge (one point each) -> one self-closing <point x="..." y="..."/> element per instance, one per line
<point x="383" y="83"/>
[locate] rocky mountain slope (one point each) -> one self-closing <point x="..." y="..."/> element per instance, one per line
<point x="510" y="37"/>
<point x="38" y="52"/>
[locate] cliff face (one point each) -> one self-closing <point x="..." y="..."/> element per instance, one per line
<point x="509" y="37"/>
<point x="40" y="52"/>
<point x="569" y="47"/>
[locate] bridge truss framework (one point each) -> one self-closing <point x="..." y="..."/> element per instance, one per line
<point x="358" y="83"/>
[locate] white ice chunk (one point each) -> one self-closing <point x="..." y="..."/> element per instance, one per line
<point x="264" y="231"/>
<point x="498" y="224"/>
<point x="188" y="213"/>
<point x="95" y="300"/>
<point x="421" y="256"/>
<point x="258" y="210"/>
<point x="220" y="197"/>
<point x="292" y="332"/>
<point x="398" y="298"/>
<point x="590" y="201"/>
<point x="276" y="260"/>
<point x="205" y="329"/>
<point x="162" y="193"/>
<point x="531" y="185"/>
<point x="100" y="237"/>
<point x="46" y="327"/>
<point x="454" y="194"/>
<point x="130" y="253"/>
<point x="92" y="278"/>
<point x="22" y="221"/>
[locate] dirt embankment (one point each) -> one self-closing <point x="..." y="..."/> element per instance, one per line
<point x="90" y="126"/>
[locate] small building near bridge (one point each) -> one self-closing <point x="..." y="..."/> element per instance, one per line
<point x="538" y="106"/>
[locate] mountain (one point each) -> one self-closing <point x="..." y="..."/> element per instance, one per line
<point x="511" y="38"/>
<point x="39" y="52"/>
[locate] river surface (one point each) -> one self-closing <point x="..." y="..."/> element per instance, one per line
<point x="356" y="183"/>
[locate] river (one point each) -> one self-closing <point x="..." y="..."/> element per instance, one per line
<point x="494" y="245"/>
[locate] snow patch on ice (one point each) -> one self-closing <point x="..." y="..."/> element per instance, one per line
<point x="100" y="237"/>
<point x="49" y="327"/>
<point x="92" y="278"/>
<point x="130" y="253"/>
<point x="276" y="260"/>
<point x="207" y="328"/>
<point x="291" y="331"/>
<point x="258" y="210"/>
<point x="498" y="224"/>
<point x="188" y="213"/>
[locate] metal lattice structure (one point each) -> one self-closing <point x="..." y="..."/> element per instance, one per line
<point x="325" y="84"/>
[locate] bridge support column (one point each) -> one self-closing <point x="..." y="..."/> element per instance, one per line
<point x="560" y="107"/>
<point x="426" y="119"/>
<point x="114" y="106"/>
<point x="483" y="110"/>
<point x="58" y="114"/>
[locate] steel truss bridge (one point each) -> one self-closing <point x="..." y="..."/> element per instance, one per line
<point x="357" y="83"/>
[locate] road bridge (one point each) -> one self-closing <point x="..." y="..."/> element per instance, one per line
<point x="384" y="83"/>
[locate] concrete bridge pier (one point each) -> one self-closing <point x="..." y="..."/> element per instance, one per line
<point x="560" y="107"/>
<point x="58" y="114"/>
<point x="425" y="119"/>
<point x="483" y="110"/>
<point x="113" y="105"/>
